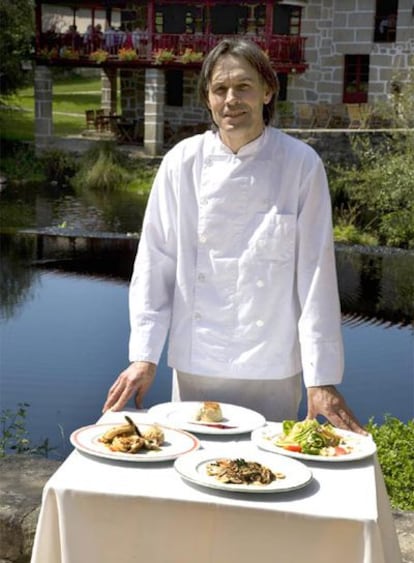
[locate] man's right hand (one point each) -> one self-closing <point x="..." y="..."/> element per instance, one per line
<point x="135" y="380"/>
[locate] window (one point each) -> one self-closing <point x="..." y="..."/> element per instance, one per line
<point x="386" y="21"/>
<point x="356" y="79"/>
<point x="174" y="81"/>
<point x="283" y="84"/>
<point x="286" y="20"/>
<point x="228" y="19"/>
<point x="170" y="19"/>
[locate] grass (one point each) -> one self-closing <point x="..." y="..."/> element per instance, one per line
<point x="71" y="97"/>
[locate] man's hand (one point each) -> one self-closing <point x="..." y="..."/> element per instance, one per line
<point x="136" y="379"/>
<point x="327" y="401"/>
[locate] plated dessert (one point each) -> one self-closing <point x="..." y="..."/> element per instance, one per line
<point x="207" y="417"/>
<point x="209" y="411"/>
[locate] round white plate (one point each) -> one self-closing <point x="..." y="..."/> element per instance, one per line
<point x="362" y="446"/>
<point x="182" y="415"/>
<point x="193" y="468"/>
<point x="177" y="442"/>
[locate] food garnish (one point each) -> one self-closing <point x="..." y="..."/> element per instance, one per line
<point x="312" y="438"/>
<point x="218" y="425"/>
<point x="127" y="438"/>
<point x="242" y="472"/>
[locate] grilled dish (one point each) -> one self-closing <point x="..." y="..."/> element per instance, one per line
<point x="129" y="439"/>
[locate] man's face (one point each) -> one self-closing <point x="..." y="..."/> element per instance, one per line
<point x="236" y="96"/>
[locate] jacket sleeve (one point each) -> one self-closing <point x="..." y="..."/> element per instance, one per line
<point x="319" y="324"/>
<point x="152" y="283"/>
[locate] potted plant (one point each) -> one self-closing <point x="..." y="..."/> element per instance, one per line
<point x="127" y="54"/>
<point x="163" y="55"/>
<point x="99" y="56"/>
<point x="190" y="56"/>
<point x="69" y="53"/>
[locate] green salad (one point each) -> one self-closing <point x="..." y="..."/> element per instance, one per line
<point x="311" y="437"/>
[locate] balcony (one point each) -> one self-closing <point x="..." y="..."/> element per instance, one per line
<point x="286" y="52"/>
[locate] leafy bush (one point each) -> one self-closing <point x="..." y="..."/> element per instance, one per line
<point x="58" y="165"/>
<point x="395" y="449"/>
<point x="377" y="194"/>
<point x="14" y="438"/>
<point x="19" y="163"/>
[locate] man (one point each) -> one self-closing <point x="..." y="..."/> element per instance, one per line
<point x="236" y="260"/>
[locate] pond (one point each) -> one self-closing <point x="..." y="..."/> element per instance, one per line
<point x="64" y="315"/>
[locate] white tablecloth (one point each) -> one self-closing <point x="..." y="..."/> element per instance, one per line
<point x="103" y="511"/>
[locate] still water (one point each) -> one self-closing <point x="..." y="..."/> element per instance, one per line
<point x="64" y="325"/>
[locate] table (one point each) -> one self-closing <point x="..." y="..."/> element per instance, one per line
<point x="104" y="511"/>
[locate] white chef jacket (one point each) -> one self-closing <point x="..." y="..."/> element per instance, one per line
<point x="236" y="263"/>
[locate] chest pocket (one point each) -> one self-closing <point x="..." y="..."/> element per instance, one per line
<point x="274" y="239"/>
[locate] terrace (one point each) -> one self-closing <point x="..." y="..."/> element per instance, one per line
<point x="153" y="36"/>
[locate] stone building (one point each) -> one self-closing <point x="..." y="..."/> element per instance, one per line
<point x="337" y="52"/>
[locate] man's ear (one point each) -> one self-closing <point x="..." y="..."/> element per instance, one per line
<point x="268" y="94"/>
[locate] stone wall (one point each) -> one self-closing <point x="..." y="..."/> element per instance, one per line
<point x="335" y="28"/>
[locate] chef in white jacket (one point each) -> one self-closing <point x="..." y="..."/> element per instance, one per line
<point x="236" y="263"/>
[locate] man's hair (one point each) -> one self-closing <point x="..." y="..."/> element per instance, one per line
<point x="252" y="54"/>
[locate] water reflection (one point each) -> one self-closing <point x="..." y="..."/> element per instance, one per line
<point x="64" y="333"/>
<point x="64" y="312"/>
<point x="376" y="285"/>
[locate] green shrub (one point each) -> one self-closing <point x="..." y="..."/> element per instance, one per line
<point x="14" y="437"/>
<point x="19" y="163"/>
<point x="395" y="450"/>
<point x="377" y="194"/>
<point x="58" y="166"/>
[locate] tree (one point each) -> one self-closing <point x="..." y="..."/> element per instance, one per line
<point x="16" y="42"/>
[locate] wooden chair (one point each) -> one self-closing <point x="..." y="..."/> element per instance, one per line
<point x="339" y="117"/>
<point x="306" y="115"/>
<point x="357" y="117"/>
<point x="103" y="120"/>
<point x="323" y="115"/>
<point x="90" y="118"/>
<point x="366" y="112"/>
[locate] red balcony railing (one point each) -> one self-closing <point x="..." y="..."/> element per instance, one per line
<point x="283" y="50"/>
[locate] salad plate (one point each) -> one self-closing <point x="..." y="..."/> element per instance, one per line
<point x="236" y="419"/>
<point x="176" y="443"/>
<point x="358" y="446"/>
<point x="193" y="468"/>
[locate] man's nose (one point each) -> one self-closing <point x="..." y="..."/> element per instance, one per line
<point x="231" y="97"/>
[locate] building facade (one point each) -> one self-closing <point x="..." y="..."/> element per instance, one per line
<point x="323" y="51"/>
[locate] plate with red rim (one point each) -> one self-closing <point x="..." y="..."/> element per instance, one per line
<point x="360" y="446"/>
<point x="176" y="443"/>
<point x="182" y="414"/>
